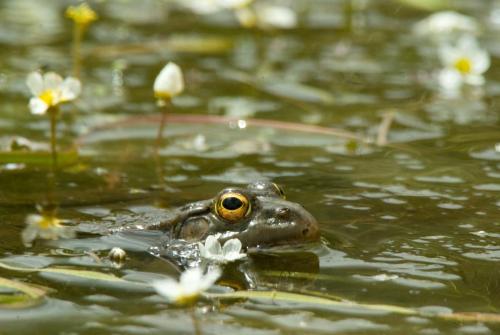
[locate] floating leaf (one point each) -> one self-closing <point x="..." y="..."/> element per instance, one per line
<point x="21" y="295"/>
<point x="77" y="276"/>
<point x="85" y="274"/>
<point x="31" y="291"/>
<point x="297" y="91"/>
<point x="471" y="317"/>
<point x="305" y="299"/>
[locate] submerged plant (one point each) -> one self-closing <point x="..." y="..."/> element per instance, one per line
<point x="464" y="63"/>
<point x="214" y="252"/>
<point x="191" y="284"/>
<point x="45" y="226"/>
<point x="82" y="17"/>
<point x="49" y="91"/>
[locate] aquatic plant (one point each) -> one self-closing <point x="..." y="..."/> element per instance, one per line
<point x="191" y="284"/>
<point x="169" y="83"/>
<point x="267" y="16"/>
<point x="464" y="62"/>
<point x="82" y="16"/>
<point x="214" y="252"/>
<point x="45" y="226"/>
<point x="49" y="91"/>
<point x="117" y="254"/>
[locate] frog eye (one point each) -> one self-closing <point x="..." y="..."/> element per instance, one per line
<point x="280" y="191"/>
<point x="232" y="206"/>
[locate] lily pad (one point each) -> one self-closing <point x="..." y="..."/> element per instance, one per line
<point x="14" y="294"/>
<point x="297" y="91"/>
<point x="341" y="306"/>
<point x="83" y="277"/>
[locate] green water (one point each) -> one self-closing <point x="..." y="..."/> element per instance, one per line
<point x="415" y="224"/>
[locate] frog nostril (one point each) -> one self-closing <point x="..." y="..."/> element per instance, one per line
<point x="282" y="211"/>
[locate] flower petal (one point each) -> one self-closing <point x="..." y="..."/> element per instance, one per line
<point x="38" y="106"/>
<point x="29" y="234"/>
<point x="167" y="288"/>
<point x="191" y="278"/>
<point x="35" y="83"/>
<point x="210" y="278"/>
<point x="169" y="82"/>
<point x="70" y="89"/>
<point x="276" y="16"/>
<point x="480" y="62"/>
<point x="52" y="81"/>
<point x="232" y="246"/>
<point x="475" y="80"/>
<point x="212" y="246"/>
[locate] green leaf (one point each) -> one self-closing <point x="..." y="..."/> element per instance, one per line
<point x="306" y="299"/>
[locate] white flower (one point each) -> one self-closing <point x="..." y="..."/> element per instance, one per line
<point x="44" y="227"/>
<point x="213" y="251"/>
<point x="464" y="63"/>
<point x="442" y="24"/>
<point x="190" y="285"/>
<point x="212" y="6"/>
<point x="169" y="82"/>
<point x="234" y="4"/>
<point x="266" y="16"/>
<point x="275" y="16"/>
<point x="51" y="90"/>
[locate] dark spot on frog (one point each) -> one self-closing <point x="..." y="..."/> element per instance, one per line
<point x="258" y="215"/>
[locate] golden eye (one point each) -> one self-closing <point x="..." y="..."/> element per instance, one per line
<point x="280" y="190"/>
<point x="232" y="206"/>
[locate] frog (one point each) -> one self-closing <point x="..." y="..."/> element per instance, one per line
<point x="259" y="215"/>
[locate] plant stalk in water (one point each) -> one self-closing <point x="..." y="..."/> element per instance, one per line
<point x="53" y="112"/>
<point x="82" y="16"/>
<point x="75" y="51"/>
<point x="164" y="104"/>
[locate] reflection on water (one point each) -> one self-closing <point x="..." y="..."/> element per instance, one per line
<point x="414" y="224"/>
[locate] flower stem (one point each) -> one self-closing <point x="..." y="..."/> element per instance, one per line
<point x="196" y="326"/>
<point x="158" y="144"/>
<point x="164" y="112"/>
<point x="53" y="139"/>
<point x="77" y="42"/>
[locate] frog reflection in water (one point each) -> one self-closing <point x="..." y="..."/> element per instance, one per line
<point x="257" y="215"/>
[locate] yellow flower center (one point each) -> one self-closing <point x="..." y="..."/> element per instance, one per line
<point x="463" y="65"/>
<point x="164" y="96"/>
<point x="48" y="222"/>
<point x="48" y="97"/>
<point x="186" y="300"/>
<point x="81" y="14"/>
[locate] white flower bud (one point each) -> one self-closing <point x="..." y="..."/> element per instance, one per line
<point x="169" y="82"/>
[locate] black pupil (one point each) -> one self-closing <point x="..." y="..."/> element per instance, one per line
<point x="232" y="203"/>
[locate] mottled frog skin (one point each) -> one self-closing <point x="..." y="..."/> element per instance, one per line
<point x="257" y="215"/>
